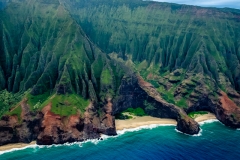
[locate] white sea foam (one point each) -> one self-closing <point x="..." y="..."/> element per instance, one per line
<point x="35" y="146"/>
<point x="208" y="121"/>
<point x="17" y="149"/>
<point x="200" y="123"/>
<point x="80" y="144"/>
<point x="151" y="126"/>
<point x="195" y="135"/>
<point x="104" y="137"/>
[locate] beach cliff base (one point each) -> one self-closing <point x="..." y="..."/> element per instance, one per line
<point x="125" y="124"/>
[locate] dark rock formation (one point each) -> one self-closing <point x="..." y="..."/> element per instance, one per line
<point x="74" y="53"/>
<point x="227" y="111"/>
<point x="107" y="120"/>
<point x="223" y="107"/>
<point x="57" y="130"/>
<point x="8" y="130"/>
<point x="187" y="125"/>
<point x="48" y="128"/>
<point x="135" y="92"/>
<point x="13" y="131"/>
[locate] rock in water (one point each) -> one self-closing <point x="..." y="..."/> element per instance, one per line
<point x="188" y="126"/>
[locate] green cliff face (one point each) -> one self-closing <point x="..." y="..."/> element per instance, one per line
<point x="81" y="57"/>
<point x="172" y="46"/>
<point x="44" y="50"/>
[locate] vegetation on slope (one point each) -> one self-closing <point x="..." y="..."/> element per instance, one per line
<point x="128" y="113"/>
<point x="66" y="105"/>
<point x="160" y="38"/>
<point x="8" y="101"/>
<point x="48" y="53"/>
<point x="58" y="48"/>
<point x="195" y="114"/>
<point x="16" y="112"/>
<point x="136" y="112"/>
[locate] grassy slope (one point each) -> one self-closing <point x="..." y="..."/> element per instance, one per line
<point x="66" y="105"/>
<point x="195" y="114"/>
<point x="44" y="51"/>
<point x="49" y="49"/>
<point x="106" y="77"/>
<point x="160" y="38"/>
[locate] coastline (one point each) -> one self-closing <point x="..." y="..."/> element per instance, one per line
<point x="122" y="125"/>
<point x="142" y="121"/>
<point x="205" y="117"/>
<point x="15" y="146"/>
<point x="148" y="120"/>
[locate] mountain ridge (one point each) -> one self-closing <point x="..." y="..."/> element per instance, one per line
<point x="70" y="66"/>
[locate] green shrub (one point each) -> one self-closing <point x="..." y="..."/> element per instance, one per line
<point x="122" y="116"/>
<point x="17" y="111"/>
<point x="194" y="114"/>
<point x="137" y="112"/>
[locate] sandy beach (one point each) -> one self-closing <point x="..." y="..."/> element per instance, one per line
<point x="15" y="145"/>
<point x="147" y="120"/>
<point x="205" y="117"/>
<point x="126" y="124"/>
<point x="142" y="121"/>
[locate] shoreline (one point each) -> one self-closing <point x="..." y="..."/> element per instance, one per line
<point x="148" y="120"/>
<point x="123" y="125"/>
<point x="205" y="117"/>
<point x="15" y="146"/>
<point x="142" y="121"/>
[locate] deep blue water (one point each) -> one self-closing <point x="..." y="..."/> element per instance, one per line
<point x="215" y="142"/>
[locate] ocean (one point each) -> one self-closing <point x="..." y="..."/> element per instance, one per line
<point x="215" y="141"/>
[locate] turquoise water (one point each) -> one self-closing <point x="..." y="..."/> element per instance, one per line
<point x="214" y="142"/>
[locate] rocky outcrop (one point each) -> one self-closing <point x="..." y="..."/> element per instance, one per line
<point x="187" y="125"/>
<point x="108" y="121"/>
<point x="8" y="129"/>
<point x="57" y="130"/>
<point x="135" y="92"/>
<point x="227" y="111"/>
<point x="48" y="128"/>
<point x="13" y="130"/>
<point x="69" y="57"/>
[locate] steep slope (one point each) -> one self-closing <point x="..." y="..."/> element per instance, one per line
<point x="47" y="58"/>
<point x="190" y="54"/>
<point x="198" y="40"/>
<point x="66" y="67"/>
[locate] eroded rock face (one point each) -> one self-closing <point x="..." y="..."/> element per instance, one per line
<point x="227" y="111"/>
<point x="223" y="107"/>
<point x="12" y="130"/>
<point x="107" y="120"/>
<point x="130" y="95"/>
<point x="7" y="129"/>
<point x="48" y="128"/>
<point x="91" y="123"/>
<point x="57" y="130"/>
<point x="135" y="92"/>
<point x="187" y="125"/>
